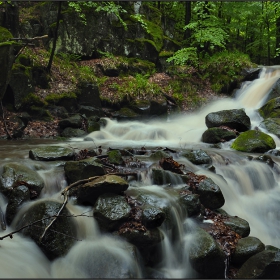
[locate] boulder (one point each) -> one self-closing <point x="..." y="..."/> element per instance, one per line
<point x="264" y="265"/>
<point x="152" y="217"/>
<point x="158" y="155"/>
<point x="16" y="198"/>
<point x="110" y="211"/>
<point x="190" y="202"/>
<point x="74" y="122"/>
<point x="15" y="174"/>
<point x="126" y="114"/>
<point x="197" y="157"/>
<point x="235" y="119"/>
<point x="271" y="109"/>
<point x="115" y="157"/>
<point x="216" y="135"/>
<point x="210" y="194"/>
<point x="246" y="248"/>
<point x="59" y="238"/>
<point x="88" y="193"/>
<point x="206" y="256"/>
<point x="49" y="153"/>
<point x="69" y="132"/>
<point x="89" y="111"/>
<point x="253" y="141"/>
<point x="83" y="169"/>
<point x="272" y="125"/>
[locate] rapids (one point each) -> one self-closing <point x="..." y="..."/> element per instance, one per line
<point x="251" y="191"/>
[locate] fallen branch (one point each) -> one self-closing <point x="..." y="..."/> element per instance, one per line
<point x="30" y="39"/>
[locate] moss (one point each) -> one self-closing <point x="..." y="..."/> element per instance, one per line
<point x="253" y="141"/>
<point x="5" y="34"/>
<point x="271" y="109"/>
<point x="165" y="53"/>
<point x="55" y="98"/>
<point x="32" y="99"/>
<point x="156" y="33"/>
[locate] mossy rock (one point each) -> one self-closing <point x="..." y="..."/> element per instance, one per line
<point x="197" y="156"/>
<point x="253" y="141"/>
<point x="5" y="34"/>
<point x="271" y="109"/>
<point x="50" y="153"/>
<point x="115" y="157"/>
<point x="272" y="125"/>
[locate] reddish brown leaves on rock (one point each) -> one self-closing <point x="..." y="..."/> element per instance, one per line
<point x="194" y="180"/>
<point x="171" y="165"/>
<point x="82" y="154"/>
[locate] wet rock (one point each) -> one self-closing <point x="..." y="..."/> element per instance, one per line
<point x="163" y="177"/>
<point x="274" y="91"/>
<point x="152" y="216"/>
<point x="215" y="135"/>
<point x="83" y="169"/>
<point x="93" y="124"/>
<point x="141" y="106"/>
<point x="159" y="155"/>
<point x="264" y="265"/>
<point x="126" y="114"/>
<point x="110" y="210"/>
<point x="197" y="156"/>
<point x="89" y="111"/>
<point x="59" y="238"/>
<point x="206" y="256"/>
<point x="246" y="248"/>
<point x="210" y="194"/>
<point x="89" y="192"/>
<point x="73" y="132"/>
<point x="16" y="198"/>
<point x="270" y="109"/>
<point x="15" y="174"/>
<point x="253" y="141"/>
<point x="20" y="125"/>
<point x="49" y="153"/>
<point x="235" y="119"/>
<point x="74" y="122"/>
<point x="190" y="202"/>
<point x="272" y="125"/>
<point x="115" y="157"/>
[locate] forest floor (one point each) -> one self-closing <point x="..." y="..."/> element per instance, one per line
<point x="61" y="82"/>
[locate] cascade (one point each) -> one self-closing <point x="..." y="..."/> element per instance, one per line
<point x="251" y="191"/>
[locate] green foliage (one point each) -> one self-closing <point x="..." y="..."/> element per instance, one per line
<point x="32" y="99"/>
<point x="5" y="34"/>
<point x="54" y="98"/>
<point x="110" y="7"/>
<point x="183" y="56"/>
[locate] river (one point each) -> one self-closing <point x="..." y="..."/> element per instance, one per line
<point x="251" y="190"/>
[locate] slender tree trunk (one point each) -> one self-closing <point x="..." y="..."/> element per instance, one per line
<point x="55" y="37"/>
<point x="268" y="37"/>
<point x="188" y="15"/>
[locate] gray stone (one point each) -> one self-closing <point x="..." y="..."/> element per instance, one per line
<point x="83" y="169"/>
<point x="49" y="153"/>
<point x="235" y="118"/>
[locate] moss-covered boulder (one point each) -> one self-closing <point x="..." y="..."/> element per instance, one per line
<point x="216" y="135"/>
<point x="263" y="265"/>
<point x="253" y="141"/>
<point x="69" y="132"/>
<point x="88" y="193"/>
<point x="16" y="174"/>
<point x="197" y="156"/>
<point x="6" y="59"/>
<point x="59" y="238"/>
<point x="210" y="194"/>
<point x="126" y="114"/>
<point x="206" y="256"/>
<point x="246" y="248"/>
<point x="110" y="211"/>
<point x="271" y="109"/>
<point x="82" y="169"/>
<point x="272" y="125"/>
<point x="235" y="119"/>
<point x="115" y="157"/>
<point x="49" y="153"/>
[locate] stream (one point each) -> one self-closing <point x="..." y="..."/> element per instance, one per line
<point x="251" y="190"/>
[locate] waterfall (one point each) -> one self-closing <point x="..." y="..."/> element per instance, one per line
<point x="251" y="190"/>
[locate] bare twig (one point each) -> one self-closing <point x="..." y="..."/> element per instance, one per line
<point x="29" y="39"/>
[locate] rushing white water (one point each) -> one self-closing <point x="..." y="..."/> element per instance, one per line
<point x="251" y="190"/>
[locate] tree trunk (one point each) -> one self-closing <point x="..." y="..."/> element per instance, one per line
<point x="188" y="15"/>
<point x="55" y="37"/>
